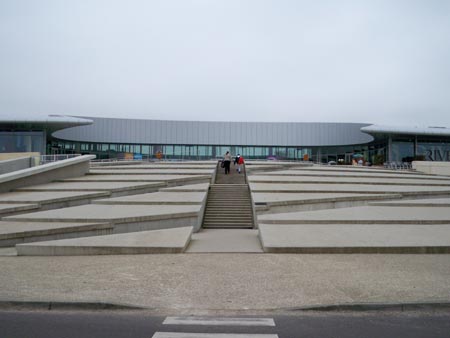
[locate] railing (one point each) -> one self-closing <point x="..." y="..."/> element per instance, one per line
<point x="398" y="165"/>
<point x="57" y="157"/>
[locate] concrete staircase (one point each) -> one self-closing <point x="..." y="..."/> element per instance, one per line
<point x="228" y="206"/>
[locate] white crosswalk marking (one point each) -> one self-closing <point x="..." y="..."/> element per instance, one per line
<point x="219" y="321"/>
<point x="211" y="335"/>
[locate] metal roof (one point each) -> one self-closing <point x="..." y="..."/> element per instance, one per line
<point x="429" y="131"/>
<point x="113" y="130"/>
<point x="50" y="123"/>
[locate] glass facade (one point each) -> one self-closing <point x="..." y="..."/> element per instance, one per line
<point x="206" y="152"/>
<point x="22" y="141"/>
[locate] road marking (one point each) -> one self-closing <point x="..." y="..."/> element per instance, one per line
<point x="210" y="335"/>
<point x="219" y="321"/>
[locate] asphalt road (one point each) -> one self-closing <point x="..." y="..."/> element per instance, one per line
<point x="139" y="324"/>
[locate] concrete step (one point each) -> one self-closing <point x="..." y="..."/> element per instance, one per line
<point x="356" y="238"/>
<point x="228" y="206"/>
<point x="229" y="226"/>
<point x="225" y="240"/>
<point x="144" y="242"/>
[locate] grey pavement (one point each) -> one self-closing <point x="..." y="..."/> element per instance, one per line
<point x="203" y="283"/>
<point x="225" y="241"/>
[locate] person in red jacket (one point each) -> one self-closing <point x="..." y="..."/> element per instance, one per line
<point x="240" y="163"/>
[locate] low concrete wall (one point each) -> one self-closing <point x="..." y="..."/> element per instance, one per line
<point x="11" y="156"/>
<point x="8" y="166"/>
<point x="433" y="168"/>
<point x="73" y="167"/>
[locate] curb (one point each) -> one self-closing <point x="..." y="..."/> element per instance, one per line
<point x="361" y="307"/>
<point x="66" y="306"/>
<point x="356" y="307"/>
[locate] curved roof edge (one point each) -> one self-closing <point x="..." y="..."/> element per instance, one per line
<point x="430" y="131"/>
<point x="50" y="123"/>
<point x="53" y="119"/>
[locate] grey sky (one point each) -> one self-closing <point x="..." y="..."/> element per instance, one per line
<point x="385" y="62"/>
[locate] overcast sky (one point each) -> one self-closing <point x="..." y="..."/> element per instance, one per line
<point x="381" y="61"/>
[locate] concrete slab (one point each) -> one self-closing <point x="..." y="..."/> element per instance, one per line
<point x="12" y="233"/>
<point x="158" y="198"/>
<point x="225" y="240"/>
<point x="178" y="166"/>
<point x="8" y="251"/>
<point x="144" y="242"/>
<point x="281" y="198"/>
<point x="348" y="188"/>
<point x="368" y="173"/>
<point x="346" y="180"/>
<point x="153" y="171"/>
<point x="355" y="238"/>
<point x="115" y="188"/>
<point x="170" y="179"/>
<point x="361" y="215"/>
<point x="188" y="188"/>
<point x="429" y="202"/>
<point x="110" y="213"/>
<point x="16" y="208"/>
<point x="351" y="168"/>
<point x="46" y="197"/>
<point x="290" y="202"/>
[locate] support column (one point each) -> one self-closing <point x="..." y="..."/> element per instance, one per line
<point x="389" y="150"/>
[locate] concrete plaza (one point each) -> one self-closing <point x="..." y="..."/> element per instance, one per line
<point x="341" y="234"/>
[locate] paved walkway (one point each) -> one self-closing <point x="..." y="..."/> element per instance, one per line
<point x="205" y="283"/>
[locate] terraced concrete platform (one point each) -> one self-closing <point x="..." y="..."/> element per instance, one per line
<point x="151" y="171"/>
<point x="158" y="198"/>
<point x="285" y="202"/>
<point x="52" y="199"/>
<point x="404" y="190"/>
<point x="429" y="202"/>
<point x="170" y="180"/>
<point x="362" y="215"/>
<point x="144" y="242"/>
<point x="188" y="188"/>
<point x="355" y="238"/>
<point x="12" y="233"/>
<point x="347" y="180"/>
<point x="16" y="208"/>
<point x="354" y="174"/>
<point x="129" y="214"/>
<point x="114" y="188"/>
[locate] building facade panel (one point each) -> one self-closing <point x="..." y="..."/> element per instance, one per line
<point x="216" y="133"/>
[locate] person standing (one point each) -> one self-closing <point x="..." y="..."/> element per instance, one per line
<point x="240" y="163"/>
<point x="227" y="162"/>
<point x="236" y="160"/>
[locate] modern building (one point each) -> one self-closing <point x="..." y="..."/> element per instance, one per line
<point x="319" y="142"/>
